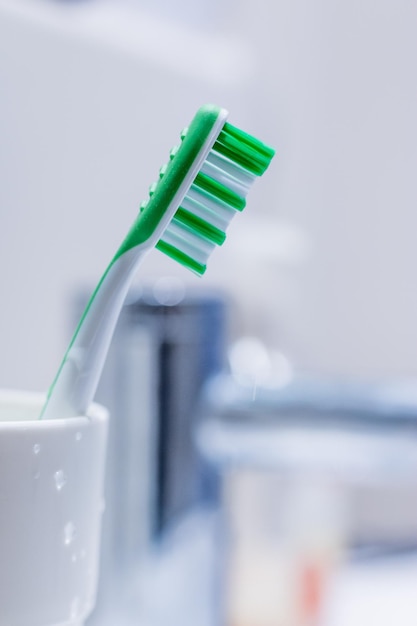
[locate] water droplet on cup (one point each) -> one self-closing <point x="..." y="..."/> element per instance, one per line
<point x="74" y="558"/>
<point x="78" y="436"/>
<point x="36" y="448"/>
<point x="36" y="475"/>
<point x="60" y="479"/>
<point x="69" y="533"/>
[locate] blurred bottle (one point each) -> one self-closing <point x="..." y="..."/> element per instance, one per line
<point x="287" y="536"/>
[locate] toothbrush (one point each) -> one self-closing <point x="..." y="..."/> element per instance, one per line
<point x="199" y="191"/>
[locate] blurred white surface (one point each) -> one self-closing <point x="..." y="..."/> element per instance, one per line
<point x="179" y="586"/>
<point x="380" y="592"/>
<point x="149" y="36"/>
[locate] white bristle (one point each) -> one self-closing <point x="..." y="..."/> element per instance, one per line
<point x="223" y="211"/>
<point x="234" y="170"/>
<point x="223" y="176"/>
<point x="187" y="242"/>
<point x="219" y="219"/>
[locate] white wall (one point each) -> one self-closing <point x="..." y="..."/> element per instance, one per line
<point x="91" y="101"/>
<point x="341" y="80"/>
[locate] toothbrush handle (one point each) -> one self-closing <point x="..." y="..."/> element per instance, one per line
<point x="78" y="376"/>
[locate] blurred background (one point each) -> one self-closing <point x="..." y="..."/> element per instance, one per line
<point x="297" y="436"/>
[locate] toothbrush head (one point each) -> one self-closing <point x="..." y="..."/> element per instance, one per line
<point x="200" y="189"/>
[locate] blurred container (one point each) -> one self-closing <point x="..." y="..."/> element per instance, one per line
<point x="167" y="343"/>
<point x="311" y="473"/>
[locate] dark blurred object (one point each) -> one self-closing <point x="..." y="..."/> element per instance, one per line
<point x="187" y="348"/>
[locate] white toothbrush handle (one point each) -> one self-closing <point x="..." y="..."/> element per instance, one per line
<point x="75" y="384"/>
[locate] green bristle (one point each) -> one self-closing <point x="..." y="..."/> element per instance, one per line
<point x="220" y="191"/>
<point x="180" y="257"/>
<point x="252" y="154"/>
<point x="200" y="226"/>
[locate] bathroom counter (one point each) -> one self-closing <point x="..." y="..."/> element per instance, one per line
<point x="177" y="586"/>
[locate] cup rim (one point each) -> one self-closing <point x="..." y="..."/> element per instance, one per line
<point x="26" y="399"/>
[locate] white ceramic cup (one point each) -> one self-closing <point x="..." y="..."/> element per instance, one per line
<point x="51" y="504"/>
